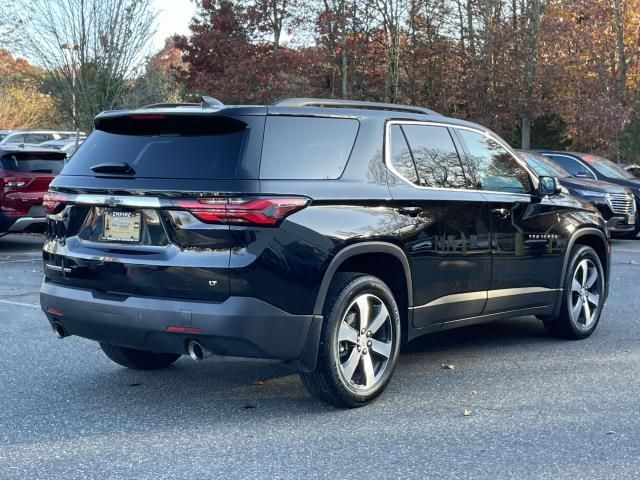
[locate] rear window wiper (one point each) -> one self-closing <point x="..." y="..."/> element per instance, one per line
<point x="118" y="168"/>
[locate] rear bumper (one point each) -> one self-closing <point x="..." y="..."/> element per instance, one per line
<point x="239" y="326"/>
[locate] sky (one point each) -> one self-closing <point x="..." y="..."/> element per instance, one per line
<point x="173" y="17"/>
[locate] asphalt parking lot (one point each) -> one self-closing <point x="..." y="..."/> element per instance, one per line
<point x="539" y="408"/>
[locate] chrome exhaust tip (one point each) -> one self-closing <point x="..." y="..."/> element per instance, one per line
<point x="58" y="329"/>
<point x="197" y="352"/>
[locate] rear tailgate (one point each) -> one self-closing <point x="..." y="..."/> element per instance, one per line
<point x="24" y="179"/>
<point x="124" y="231"/>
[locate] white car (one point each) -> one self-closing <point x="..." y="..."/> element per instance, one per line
<point x="35" y="137"/>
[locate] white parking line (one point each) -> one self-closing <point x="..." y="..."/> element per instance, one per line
<point x="625" y="250"/>
<point x="19" y="304"/>
<point x="16" y="261"/>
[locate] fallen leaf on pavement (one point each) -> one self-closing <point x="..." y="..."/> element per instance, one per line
<point x="467" y="413"/>
<point x="448" y="366"/>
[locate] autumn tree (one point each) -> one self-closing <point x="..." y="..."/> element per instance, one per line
<point x="105" y="43"/>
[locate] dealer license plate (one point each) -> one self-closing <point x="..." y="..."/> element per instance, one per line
<point x="121" y="226"/>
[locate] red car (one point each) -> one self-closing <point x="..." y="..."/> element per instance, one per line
<point x="25" y="174"/>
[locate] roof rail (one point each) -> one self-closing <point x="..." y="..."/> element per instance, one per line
<point x="337" y="103"/>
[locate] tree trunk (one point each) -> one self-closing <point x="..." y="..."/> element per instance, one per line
<point x="526" y="131"/>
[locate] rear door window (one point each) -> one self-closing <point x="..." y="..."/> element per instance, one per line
<point x="33" y="162"/>
<point x="435" y="156"/>
<point x="158" y="146"/>
<point x="303" y="148"/>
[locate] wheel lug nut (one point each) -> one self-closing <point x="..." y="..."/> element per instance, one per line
<point x="359" y="348"/>
<point x="369" y="343"/>
<point x="364" y="351"/>
<point x="362" y="331"/>
<point x="369" y="333"/>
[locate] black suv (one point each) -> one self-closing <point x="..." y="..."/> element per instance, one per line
<point x="322" y="233"/>
<point x="584" y="165"/>
<point x="616" y="203"/>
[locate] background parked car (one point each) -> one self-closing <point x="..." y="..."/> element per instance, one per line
<point x="67" y="146"/>
<point x="633" y="169"/>
<point x="25" y="174"/>
<point x="595" y="167"/>
<point x="615" y="203"/>
<point x="34" y="137"/>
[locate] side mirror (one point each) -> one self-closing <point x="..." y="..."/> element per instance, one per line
<point x="548" y="186"/>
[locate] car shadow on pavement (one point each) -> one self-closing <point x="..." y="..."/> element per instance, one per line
<point x="507" y="332"/>
<point x="20" y="243"/>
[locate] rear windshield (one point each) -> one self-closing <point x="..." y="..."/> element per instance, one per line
<point x="158" y="146"/>
<point x="302" y="148"/>
<point x="33" y="162"/>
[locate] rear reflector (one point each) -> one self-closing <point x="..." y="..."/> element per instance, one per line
<point x="54" y="202"/>
<point x="265" y="211"/>
<point x="181" y="329"/>
<point x="54" y="311"/>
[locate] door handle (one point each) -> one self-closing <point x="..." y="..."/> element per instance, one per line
<point x="411" y="211"/>
<point x="501" y="212"/>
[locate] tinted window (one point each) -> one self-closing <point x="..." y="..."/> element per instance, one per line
<point x="492" y="167"/>
<point x="159" y="147"/>
<point x="14" y="139"/>
<point x="401" y="158"/>
<point x="36" y="137"/>
<point x="574" y="167"/>
<point x="435" y="156"/>
<point x="306" y="148"/>
<point x="607" y="167"/>
<point x="31" y="162"/>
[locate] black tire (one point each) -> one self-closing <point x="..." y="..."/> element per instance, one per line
<point x="565" y="325"/>
<point x="328" y="381"/>
<point x="138" y="359"/>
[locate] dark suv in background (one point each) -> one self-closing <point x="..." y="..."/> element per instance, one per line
<point x="322" y="233"/>
<point x="583" y="165"/>
<point x="616" y="203"/>
<point x="25" y="174"/>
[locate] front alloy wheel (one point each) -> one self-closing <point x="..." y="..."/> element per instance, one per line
<point x="583" y="296"/>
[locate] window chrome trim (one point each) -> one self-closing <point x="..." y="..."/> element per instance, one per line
<point x="485" y="295"/>
<point x="389" y="164"/>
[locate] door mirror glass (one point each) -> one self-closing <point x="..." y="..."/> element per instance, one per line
<point x="548" y="186"/>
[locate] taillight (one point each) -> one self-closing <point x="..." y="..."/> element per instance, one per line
<point x="14" y="181"/>
<point x="266" y="211"/>
<point x="54" y="202"/>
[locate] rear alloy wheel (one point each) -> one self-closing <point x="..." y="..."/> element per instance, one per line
<point x="138" y="359"/>
<point x="583" y="296"/>
<point x="359" y="344"/>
